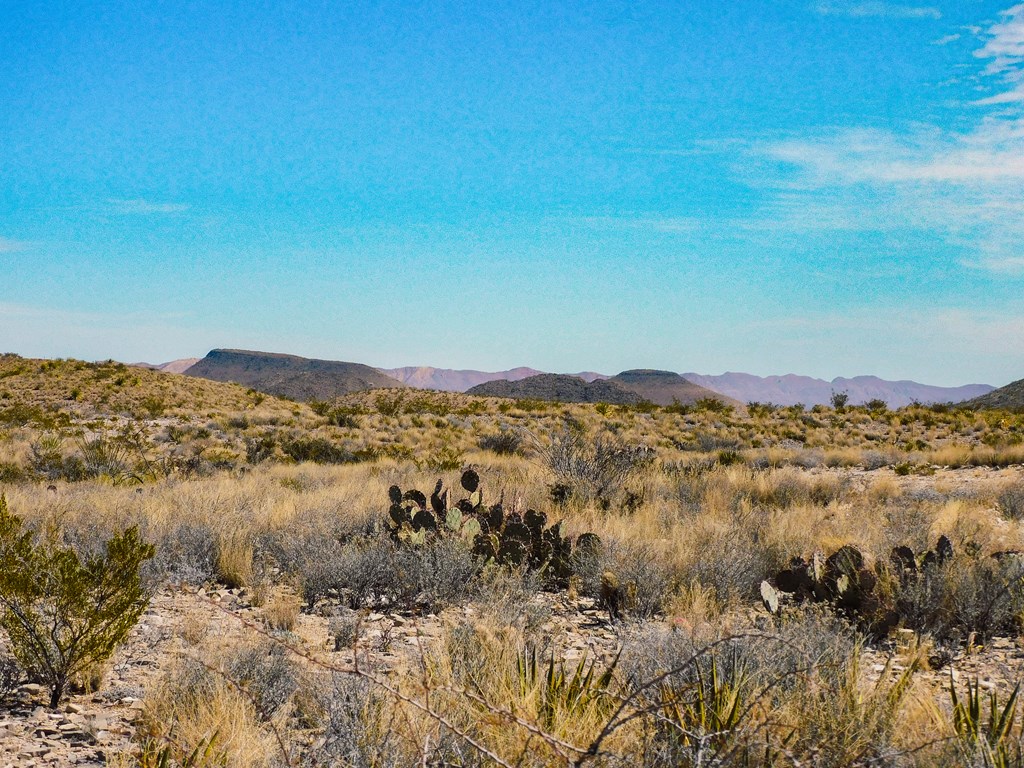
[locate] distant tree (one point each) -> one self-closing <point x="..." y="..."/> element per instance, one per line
<point x="840" y="399"/>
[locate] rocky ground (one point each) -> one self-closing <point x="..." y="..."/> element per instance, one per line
<point x="92" y="729"/>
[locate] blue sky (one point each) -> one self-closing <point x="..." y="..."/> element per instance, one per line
<point x="828" y="188"/>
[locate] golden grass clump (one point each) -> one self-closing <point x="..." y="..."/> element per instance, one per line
<point x="282" y="611"/>
<point x="212" y="717"/>
<point x="235" y="559"/>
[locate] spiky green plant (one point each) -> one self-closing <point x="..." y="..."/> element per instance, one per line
<point x="707" y="711"/>
<point x="168" y="755"/>
<point x="565" y="693"/>
<point x="991" y="739"/>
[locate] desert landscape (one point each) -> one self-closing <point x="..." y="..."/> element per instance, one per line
<point x="402" y="384"/>
<point x="396" y="577"/>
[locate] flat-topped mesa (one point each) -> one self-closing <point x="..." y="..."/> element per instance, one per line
<point x="299" y="378"/>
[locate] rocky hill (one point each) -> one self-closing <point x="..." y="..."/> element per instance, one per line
<point x="452" y="380"/>
<point x="31" y="388"/>
<point x="665" y="387"/>
<point x="299" y="378"/>
<point x="1010" y="397"/>
<point x="559" y="387"/>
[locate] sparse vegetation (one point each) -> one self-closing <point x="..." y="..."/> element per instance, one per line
<point x="305" y="565"/>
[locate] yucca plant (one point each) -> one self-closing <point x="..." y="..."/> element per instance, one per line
<point x="169" y="756"/>
<point x="991" y="739"/>
<point x="706" y="712"/>
<point x="565" y="693"/>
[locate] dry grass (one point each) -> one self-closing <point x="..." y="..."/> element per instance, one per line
<point x="282" y="612"/>
<point x="205" y="713"/>
<point x="235" y="559"/>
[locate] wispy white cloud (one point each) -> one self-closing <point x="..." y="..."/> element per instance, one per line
<point x="877" y="9"/>
<point x="140" y="206"/>
<point x="993" y="152"/>
<point x="1006" y="97"/>
<point x="946" y="39"/>
<point x="1004" y="47"/>
<point x="965" y="186"/>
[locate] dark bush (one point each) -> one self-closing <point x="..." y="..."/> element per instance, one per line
<point x="703" y="690"/>
<point x="375" y="572"/>
<point x="186" y="554"/>
<point x="594" y="467"/>
<point x="10" y="677"/>
<point x="12" y="473"/>
<point x="507" y="442"/>
<point x="1011" y="500"/>
<point x="316" y="449"/>
<point x="260" y="448"/>
<point x="267" y="674"/>
<point x="353" y="711"/>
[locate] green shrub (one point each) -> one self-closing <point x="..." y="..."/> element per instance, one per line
<point x="64" y="616"/>
<point x="11" y="472"/>
<point x="448" y="458"/>
<point x="985" y="741"/>
<point x="840" y="400"/>
<point x="389" y="404"/>
<point x="712" y="405"/>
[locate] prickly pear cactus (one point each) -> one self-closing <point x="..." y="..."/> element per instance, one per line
<point x="844" y="581"/>
<point x="520" y="541"/>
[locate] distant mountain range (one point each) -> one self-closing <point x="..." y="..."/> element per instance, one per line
<point x="299" y="378"/>
<point x="792" y="389"/>
<point x="303" y="379"/>
<point x="175" y="366"/>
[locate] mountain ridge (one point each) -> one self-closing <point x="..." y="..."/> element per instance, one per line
<point x="1011" y="397"/>
<point x="785" y="389"/>
<point x="790" y="389"/>
<point x="558" y="387"/>
<point x="461" y="380"/>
